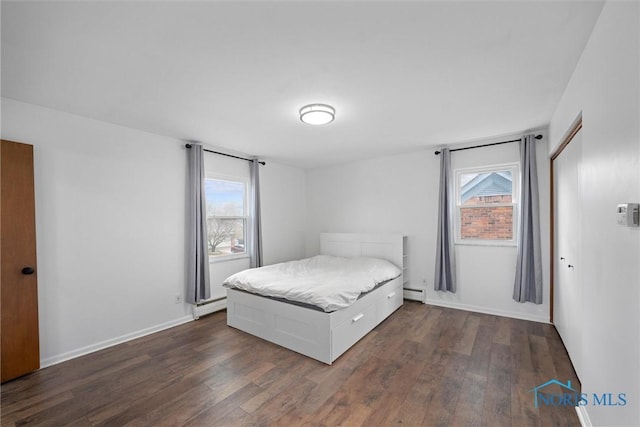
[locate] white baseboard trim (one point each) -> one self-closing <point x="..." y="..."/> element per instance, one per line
<point x="484" y="310"/>
<point x="54" y="360"/>
<point x="583" y="416"/>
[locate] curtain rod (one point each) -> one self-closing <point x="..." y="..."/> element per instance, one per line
<point x="486" y="145"/>
<point x="225" y="154"/>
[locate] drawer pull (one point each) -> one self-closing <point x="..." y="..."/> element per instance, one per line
<point x="358" y="317"/>
<point x="391" y="295"/>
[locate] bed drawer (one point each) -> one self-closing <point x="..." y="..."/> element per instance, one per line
<point x="390" y="301"/>
<point x="347" y="333"/>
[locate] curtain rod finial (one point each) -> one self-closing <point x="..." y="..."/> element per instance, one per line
<point x="538" y="136"/>
<point x="436" y="153"/>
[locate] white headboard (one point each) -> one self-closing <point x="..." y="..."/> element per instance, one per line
<point x="385" y="246"/>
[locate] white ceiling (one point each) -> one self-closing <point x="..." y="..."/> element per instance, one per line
<point x="401" y="75"/>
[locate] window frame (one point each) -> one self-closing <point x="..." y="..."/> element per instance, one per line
<point x="514" y="168"/>
<point x="245" y="181"/>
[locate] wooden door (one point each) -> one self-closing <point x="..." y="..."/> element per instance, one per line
<point x="18" y="278"/>
<point x="567" y="310"/>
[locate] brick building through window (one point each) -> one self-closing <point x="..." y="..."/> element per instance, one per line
<point x="486" y="205"/>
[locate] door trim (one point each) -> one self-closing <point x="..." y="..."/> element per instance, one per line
<point x="571" y="133"/>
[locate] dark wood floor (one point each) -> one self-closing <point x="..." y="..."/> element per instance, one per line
<point x="424" y="365"/>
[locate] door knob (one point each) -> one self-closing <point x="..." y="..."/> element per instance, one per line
<point x="28" y="270"/>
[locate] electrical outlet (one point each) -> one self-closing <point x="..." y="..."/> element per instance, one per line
<point x="178" y="299"/>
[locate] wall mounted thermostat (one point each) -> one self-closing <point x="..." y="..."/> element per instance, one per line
<point x="628" y="214"/>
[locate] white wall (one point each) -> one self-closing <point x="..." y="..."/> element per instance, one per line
<point x="284" y="213"/>
<point x="399" y="194"/>
<point x="110" y="223"/>
<point x="110" y="219"/>
<point x="605" y="88"/>
<point x="394" y="194"/>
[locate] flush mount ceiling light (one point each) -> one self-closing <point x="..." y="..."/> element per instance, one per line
<point x="317" y="114"/>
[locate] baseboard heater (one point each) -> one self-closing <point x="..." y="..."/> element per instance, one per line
<point x="207" y="307"/>
<point x="415" y="294"/>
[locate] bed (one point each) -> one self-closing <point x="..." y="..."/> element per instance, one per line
<point x="322" y="335"/>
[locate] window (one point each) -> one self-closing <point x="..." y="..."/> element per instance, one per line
<point x="486" y="201"/>
<point x="226" y="216"/>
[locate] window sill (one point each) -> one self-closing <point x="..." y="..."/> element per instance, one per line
<point x="509" y="244"/>
<point x="225" y="258"/>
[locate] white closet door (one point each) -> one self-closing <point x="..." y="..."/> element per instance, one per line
<point x="567" y="307"/>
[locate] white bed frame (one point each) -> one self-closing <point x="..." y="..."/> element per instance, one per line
<point x="317" y="334"/>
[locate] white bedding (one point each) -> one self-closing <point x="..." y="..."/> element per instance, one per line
<point x="325" y="281"/>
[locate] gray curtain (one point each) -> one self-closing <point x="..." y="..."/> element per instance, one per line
<point x="256" y="224"/>
<point x="198" y="287"/>
<point x="528" y="282"/>
<point x="445" y="277"/>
